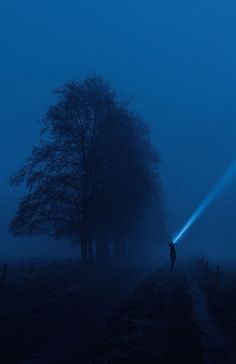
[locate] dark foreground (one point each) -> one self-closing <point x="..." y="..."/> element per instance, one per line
<point x="87" y="317"/>
<point x="45" y="309"/>
<point x="155" y="325"/>
<point x="171" y="318"/>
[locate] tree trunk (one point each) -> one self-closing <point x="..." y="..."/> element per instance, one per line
<point x="84" y="251"/>
<point x="90" y="249"/>
<point x="102" y="249"/>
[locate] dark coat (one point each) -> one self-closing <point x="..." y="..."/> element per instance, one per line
<point x="172" y="252"/>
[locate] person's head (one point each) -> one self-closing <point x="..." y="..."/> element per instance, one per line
<point x="171" y="245"/>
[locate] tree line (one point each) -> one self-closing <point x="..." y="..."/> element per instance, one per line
<point x="93" y="179"/>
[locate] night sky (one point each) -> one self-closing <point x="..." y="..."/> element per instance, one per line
<point x="175" y="60"/>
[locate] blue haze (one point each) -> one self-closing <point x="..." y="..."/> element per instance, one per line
<point x="176" y="62"/>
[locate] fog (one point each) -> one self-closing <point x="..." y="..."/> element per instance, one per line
<point x="176" y="64"/>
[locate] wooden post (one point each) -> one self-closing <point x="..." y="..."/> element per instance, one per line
<point x="4" y="273"/>
<point x="218" y="273"/>
<point x="72" y="265"/>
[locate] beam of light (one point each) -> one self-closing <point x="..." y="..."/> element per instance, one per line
<point x="214" y="193"/>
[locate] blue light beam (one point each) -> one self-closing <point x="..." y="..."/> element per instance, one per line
<point x="227" y="178"/>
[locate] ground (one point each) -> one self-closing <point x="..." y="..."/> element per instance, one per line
<point x="86" y="316"/>
<point x="170" y="318"/>
<point x="45" y="310"/>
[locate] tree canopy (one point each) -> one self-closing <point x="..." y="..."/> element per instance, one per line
<point x="93" y="173"/>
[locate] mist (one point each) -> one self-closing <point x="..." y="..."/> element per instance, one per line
<point x="174" y="62"/>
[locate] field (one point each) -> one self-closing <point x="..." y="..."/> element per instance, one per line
<point x="45" y="307"/>
<point x="65" y="312"/>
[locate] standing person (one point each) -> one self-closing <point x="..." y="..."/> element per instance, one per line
<point x="172" y="256"/>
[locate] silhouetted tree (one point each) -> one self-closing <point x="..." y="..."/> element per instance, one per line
<point x="92" y="173"/>
<point x="131" y="176"/>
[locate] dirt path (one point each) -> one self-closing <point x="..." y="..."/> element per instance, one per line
<point x="166" y="321"/>
<point x="217" y="346"/>
<point x="154" y="326"/>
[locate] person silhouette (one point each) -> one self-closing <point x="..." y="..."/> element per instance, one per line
<point x="172" y="256"/>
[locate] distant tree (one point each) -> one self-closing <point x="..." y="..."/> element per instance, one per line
<point x="91" y="175"/>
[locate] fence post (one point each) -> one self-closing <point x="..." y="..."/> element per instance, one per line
<point x="218" y="273"/>
<point x="4" y="273"/>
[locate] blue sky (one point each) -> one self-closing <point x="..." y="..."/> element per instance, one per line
<point x="175" y="60"/>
